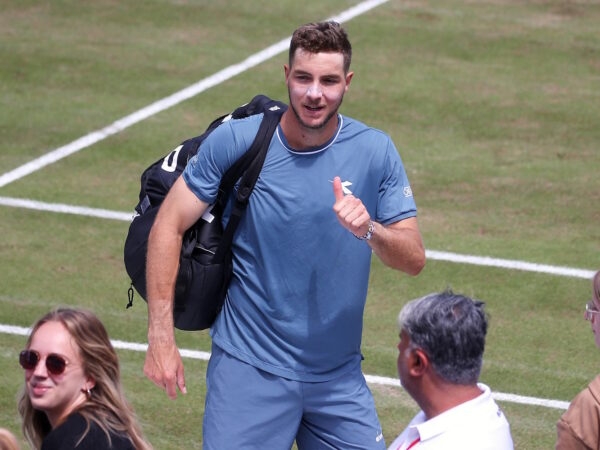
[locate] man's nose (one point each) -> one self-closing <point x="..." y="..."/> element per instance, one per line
<point x="314" y="91"/>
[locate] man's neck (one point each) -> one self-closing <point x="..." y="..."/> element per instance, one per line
<point x="301" y="138"/>
<point x="444" y="396"/>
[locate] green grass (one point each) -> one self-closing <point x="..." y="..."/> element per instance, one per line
<point x="493" y="105"/>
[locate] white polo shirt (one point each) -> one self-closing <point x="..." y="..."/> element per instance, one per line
<point x="478" y="424"/>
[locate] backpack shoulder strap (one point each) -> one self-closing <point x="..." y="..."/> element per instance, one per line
<point x="250" y="165"/>
<point x="272" y="111"/>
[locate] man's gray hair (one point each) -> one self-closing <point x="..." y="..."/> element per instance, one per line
<point x="450" y="328"/>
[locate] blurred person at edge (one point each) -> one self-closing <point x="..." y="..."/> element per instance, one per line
<point x="72" y="397"/>
<point x="440" y="354"/>
<point x="8" y="441"/>
<point x="579" y="427"/>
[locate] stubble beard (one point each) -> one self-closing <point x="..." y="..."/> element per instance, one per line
<point x="317" y="126"/>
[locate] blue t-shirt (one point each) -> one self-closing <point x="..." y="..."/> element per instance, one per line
<point x="296" y="301"/>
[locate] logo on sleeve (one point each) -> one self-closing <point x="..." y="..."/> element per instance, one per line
<point x="407" y="191"/>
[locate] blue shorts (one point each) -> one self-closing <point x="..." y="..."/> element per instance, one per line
<point x="247" y="408"/>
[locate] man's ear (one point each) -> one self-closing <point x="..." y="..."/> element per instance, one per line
<point x="349" y="76"/>
<point x="419" y="363"/>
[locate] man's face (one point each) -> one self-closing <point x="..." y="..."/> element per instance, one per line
<point x="402" y="363"/>
<point x="316" y="86"/>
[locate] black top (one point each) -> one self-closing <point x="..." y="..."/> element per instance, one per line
<point x="66" y="435"/>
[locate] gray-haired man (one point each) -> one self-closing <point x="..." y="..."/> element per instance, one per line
<point x="442" y="339"/>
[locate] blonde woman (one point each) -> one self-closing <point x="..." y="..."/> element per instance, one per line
<point x="72" y="397"/>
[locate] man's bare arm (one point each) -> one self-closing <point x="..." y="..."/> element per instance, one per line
<point x="178" y="212"/>
<point x="400" y="245"/>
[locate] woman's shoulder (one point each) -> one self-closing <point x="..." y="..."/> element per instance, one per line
<point x="68" y="435"/>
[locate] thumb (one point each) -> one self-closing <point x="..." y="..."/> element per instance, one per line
<point x="337" y="189"/>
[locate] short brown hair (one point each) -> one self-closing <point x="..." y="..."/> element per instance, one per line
<point x="322" y="37"/>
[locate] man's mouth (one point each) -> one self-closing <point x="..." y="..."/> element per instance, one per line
<point x="313" y="108"/>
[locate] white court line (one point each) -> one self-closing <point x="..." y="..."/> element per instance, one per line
<point x="66" y="209"/>
<point x="185" y="94"/>
<point x="372" y="379"/>
<point x="430" y="254"/>
<point x="510" y="264"/>
<point x="170" y="101"/>
<point x="196" y="89"/>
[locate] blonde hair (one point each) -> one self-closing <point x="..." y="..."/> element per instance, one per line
<point x="107" y="405"/>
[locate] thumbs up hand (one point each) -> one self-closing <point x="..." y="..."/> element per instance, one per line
<point x="350" y="211"/>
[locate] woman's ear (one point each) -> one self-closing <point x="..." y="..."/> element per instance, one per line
<point x="90" y="384"/>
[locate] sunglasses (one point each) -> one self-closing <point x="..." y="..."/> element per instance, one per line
<point x="590" y="310"/>
<point x="55" y="364"/>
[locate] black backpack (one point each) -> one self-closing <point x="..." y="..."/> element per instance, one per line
<point x="205" y="262"/>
